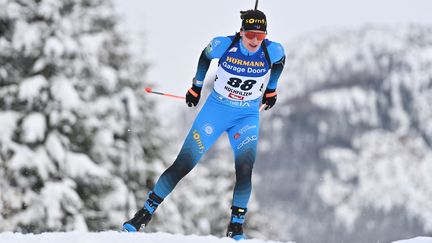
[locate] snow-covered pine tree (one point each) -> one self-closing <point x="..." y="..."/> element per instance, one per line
<point x="77" y="137"/>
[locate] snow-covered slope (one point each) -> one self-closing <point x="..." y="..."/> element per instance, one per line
<point x="114" y="237"/>
<point x="351" y="137"/>
<point x="416" y="240"/>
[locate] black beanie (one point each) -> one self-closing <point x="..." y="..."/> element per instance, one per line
<point x="253" y="20"/>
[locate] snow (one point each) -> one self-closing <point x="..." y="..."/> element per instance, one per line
<point x="8" y="122"/>
<point x="349" y="99"/>
<point x="39" y="65"/>
<point x="26" y="158"/>
<point x="26" y="37"/>
<point x="55" y="148"/>
<point x="53" y="47"/>
<point x="406" y="162"/>
<point x="34" y="127"/>
<point x="104" y="138"/>
<point x="49" y="9"/>
<point x="109" y="77"/>
<point x="91" y="43"/>
<point x="41" y="161"/>
<point x="416" y="240"/>
<point x="64" y="91"/>
<point x="368" y="92"/>
<point x="115" y="237"/>
<point x="80" y="172"/>
<point x="70" y="45"/>
<point x="30" y="88"/>
<point x="61" y="196"/>
<point x="81" y="166"/>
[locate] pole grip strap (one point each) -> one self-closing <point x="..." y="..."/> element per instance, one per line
<point x="269" y="95"/>
<point x="192" y="92"/>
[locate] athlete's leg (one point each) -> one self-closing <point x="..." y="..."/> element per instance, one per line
<point x="207" y="127"/>
<point x="205" y="130"/>
<point x="244" y="140"/>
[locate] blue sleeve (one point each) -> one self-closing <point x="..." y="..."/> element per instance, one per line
<point x="215" y="49"/>
<point x="203" y="66"/>
<point x="277" y="57"/>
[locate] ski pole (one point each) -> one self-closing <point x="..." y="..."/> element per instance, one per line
<point x="149" y="90"/>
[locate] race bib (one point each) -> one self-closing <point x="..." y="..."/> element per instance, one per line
<point x="241" y="77"/>
<point x="238" y="87"/>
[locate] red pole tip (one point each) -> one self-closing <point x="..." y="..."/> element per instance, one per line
<point x="148" y="90"/>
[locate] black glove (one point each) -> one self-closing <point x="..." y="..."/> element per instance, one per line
<point x="269" y="98"/>
<point x="193" y="95"/>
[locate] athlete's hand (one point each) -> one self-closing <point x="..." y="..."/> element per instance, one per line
<point x="193" y="95"/>
<point x="269" y="98"/>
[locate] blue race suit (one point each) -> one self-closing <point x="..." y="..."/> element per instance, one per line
<point x="233" y="106"/>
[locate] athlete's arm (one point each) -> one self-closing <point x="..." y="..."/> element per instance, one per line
<point x="203" y="66"/>
<point x="277" y="57"/>
<point x="215" y="49"/>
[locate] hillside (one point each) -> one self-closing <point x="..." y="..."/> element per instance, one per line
<point x="354" y="136"/>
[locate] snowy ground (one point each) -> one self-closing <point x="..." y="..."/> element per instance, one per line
<point x="416" y="240"/>
<point x="116" y="237"/>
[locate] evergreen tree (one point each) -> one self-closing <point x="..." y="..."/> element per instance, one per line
<point x="79" y="143"/>
<point x="78" y="138"/>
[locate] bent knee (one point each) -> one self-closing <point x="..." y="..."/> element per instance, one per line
<point x="182" y="165"/>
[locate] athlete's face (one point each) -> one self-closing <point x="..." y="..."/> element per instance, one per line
<point x="252" y="39"/>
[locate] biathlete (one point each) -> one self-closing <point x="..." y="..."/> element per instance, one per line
<point x="245" y="59"/>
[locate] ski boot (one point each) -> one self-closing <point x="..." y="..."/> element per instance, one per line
<point x="144" y="215"/>
<point x="235" y="228"/>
